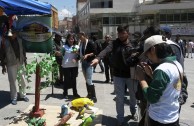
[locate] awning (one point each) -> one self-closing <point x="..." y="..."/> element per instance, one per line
<point x="25" y="7"/>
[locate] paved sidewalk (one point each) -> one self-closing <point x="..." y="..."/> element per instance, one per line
<point x="105" y="99"/>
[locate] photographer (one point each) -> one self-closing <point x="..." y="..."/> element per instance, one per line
<point x="120" y="49"/>
<point x="164" y="89"/>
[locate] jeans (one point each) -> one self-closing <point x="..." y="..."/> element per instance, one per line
<point x="119" y="84"/>
<point x="87" y="70"/>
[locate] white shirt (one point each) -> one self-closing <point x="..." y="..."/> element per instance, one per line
<point x="70" y="56"/>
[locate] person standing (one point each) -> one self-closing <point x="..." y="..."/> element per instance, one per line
<point x="164" y="89"/>
<point x="13" y="60"/>
<point x="120" y="49"/>
<point x="58" y="44"/>
<point x="69" y="52"/>
<point x="98" y="50"/>
<point x="87" y="54"/>
<point x="190" y="45"/>
<point x="106" y="60"/>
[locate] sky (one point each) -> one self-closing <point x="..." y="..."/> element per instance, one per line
<point x="66" y="8"/>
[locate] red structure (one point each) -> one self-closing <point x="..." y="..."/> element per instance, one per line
<point x="36" y="111"/>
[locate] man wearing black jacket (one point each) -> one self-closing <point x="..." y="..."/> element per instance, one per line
<point x="87" y="54"/>
<point x="121" y="51"/>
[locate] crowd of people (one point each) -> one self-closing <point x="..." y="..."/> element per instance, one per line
<point x="133" y="62"/>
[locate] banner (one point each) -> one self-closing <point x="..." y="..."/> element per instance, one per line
<point x="36" y="33"/>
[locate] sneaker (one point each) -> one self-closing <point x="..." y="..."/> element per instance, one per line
<point x="14" y="102"/>
<point x="25" y="99"/>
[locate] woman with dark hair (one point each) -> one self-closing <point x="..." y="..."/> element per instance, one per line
<point x="69" y="53"/>
<point x="164" y="89"/>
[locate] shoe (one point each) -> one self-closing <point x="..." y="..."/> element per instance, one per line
<point x="14" y="102"/>
<point x="25" y="99"/>
<point x="94" y="99"/>
<point x="76" y="96"/>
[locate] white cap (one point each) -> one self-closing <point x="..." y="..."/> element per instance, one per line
<point x="152" y="41"/>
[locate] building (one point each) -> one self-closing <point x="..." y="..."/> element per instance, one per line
<point x="103" y="16"/>
<point x="54" y="13"/>
<point x="65" y="25"/>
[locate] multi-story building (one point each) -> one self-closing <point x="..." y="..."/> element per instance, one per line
<point x="65" y="25"/>
<point x="103" y="16"/>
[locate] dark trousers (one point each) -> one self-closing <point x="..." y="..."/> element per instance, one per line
<point x="61" y="75"/>
<point x="70" y="75"/>
<point x="107" y="68"/>
<point x="155" y="123"/>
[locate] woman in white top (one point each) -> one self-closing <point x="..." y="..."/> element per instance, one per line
<point x="70" y="55"/>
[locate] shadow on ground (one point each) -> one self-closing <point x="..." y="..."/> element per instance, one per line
<point x="16" y="119"/>
<point x="4" y="98"/>
<point x="58" y="96"/>
<point x="110" y="121"/>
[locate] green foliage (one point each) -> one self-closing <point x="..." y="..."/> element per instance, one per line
<point x="48" y="67"/>
<point x="36" y="121"/>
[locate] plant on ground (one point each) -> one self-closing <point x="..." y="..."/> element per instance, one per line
<point x="48" y="70"/>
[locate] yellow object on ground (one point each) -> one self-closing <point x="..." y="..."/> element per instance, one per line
<point x="81" y="102"/>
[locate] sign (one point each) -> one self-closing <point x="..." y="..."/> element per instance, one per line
<point x="36" y="33"/>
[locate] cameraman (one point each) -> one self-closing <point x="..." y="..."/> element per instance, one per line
<point x="120" y="49"/>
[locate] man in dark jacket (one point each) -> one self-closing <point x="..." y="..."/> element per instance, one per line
<point x="121" y="51"/>
<point x="87" y="54"/>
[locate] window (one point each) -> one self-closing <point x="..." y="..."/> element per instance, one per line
<point x="177" y="17"/>
<point x="105" y="20"/>
<point x="118" y="20"/>
<point x="191" y="16"/>
<point x="162" y="17"/>
<point x="101" y="4"/>
<point x="169" y="17"/>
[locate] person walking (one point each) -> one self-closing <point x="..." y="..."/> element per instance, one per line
<point x="13" y="60"/>
<point x="87" y="54"/>
<point x="70" y="55"/>
<point x="164" y="89"/>
<point x="120" y="49"/>
<point x="106" y="60"/>
<point x="190" y="46"/>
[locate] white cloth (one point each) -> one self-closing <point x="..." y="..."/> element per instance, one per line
<point x="70" y="56"/>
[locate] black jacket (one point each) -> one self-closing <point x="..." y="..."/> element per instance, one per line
<point x="119" y="56"/>
<point x="90" y="48"/>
